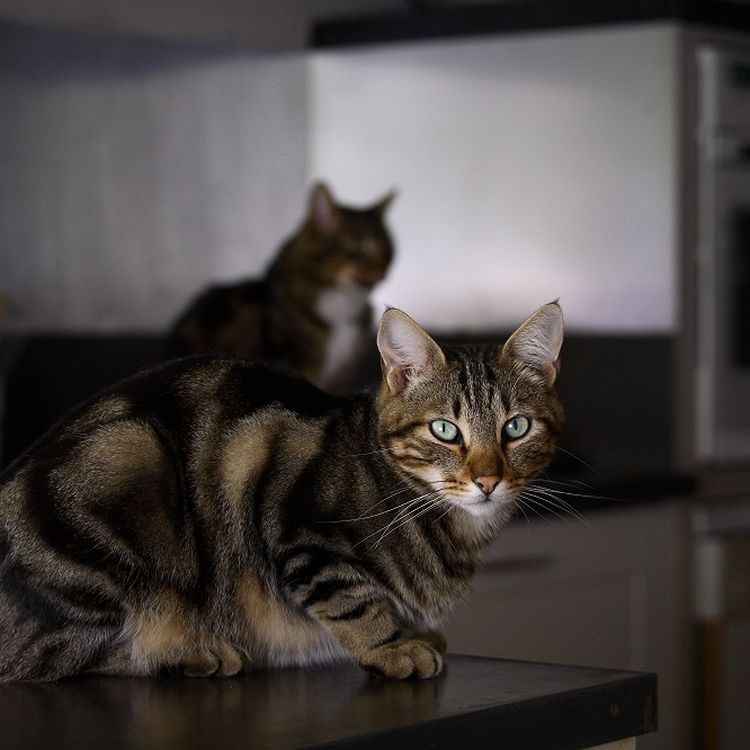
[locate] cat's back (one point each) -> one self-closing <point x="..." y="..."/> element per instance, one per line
<point x="176" y="404"/>
<point x="225" y="318"/>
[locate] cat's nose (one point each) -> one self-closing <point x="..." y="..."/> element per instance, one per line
<point x="487" y="484"/>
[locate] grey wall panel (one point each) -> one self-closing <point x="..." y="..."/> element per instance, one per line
<point x="130" y="174"/>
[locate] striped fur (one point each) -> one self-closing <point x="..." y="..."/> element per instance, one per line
<point x="211" y="515"/>
<point x="311" y="310"/>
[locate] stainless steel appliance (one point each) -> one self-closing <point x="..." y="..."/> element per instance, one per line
<point x="723" y="388"/>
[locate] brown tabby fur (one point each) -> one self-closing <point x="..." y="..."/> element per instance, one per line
<point x="310" y="311"/>
<point x="212" y="515"/>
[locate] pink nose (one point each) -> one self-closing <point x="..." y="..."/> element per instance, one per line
<point x="487" y="484"/>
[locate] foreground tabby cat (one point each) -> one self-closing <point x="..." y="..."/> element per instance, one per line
<point x="311" y="310"/>
<point x="212" y="515"/>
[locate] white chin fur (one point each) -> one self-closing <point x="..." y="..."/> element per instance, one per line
<point x="479" y="505"/>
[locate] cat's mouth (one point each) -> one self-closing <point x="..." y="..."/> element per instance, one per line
<point x="476" y="506"/>
<point x="480" y="504"/>
<point x="367" y="281"/>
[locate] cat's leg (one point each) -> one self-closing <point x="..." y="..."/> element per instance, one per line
<point x="370" y="631"/>
<point x="50" y="629"/>
<point x="362" y="619"/>
<point x="166" y="634"/>
<point x="32" y="650"/>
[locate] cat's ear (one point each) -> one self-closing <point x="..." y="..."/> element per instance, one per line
<point x="323" y="211"/>
<point x="406" y="351"/>
<point x="537" y="341"/>
<point x="382" y="205"/>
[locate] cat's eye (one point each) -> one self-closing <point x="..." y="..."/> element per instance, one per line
<point x="444" y="430"/>
<point x="516" y="427"/>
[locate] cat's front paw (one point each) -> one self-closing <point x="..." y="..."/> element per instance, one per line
<point x="435" y="638"/>
<point x="404" y="659"/>
<point x="222" y="660"/>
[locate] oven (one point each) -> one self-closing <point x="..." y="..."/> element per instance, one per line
<point x="723" y="372"/>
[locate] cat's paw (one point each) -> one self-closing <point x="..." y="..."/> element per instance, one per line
<point x="402" y="660"/>
<point x="220" y="661"/>
<point x="435" y="638"/>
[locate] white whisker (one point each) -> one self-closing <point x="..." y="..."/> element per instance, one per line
<point x="549" y="505"/>
<point x="562" y="504"/>
<point x="578" y="458"/>
<point x="413" y="515"/>
<point x="404" y="508"/>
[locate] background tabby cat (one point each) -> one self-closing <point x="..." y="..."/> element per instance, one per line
<point x="212" y="515"/>
<point x="311" y="309"/>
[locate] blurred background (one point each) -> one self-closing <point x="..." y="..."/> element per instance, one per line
<point x="599" y="153"/>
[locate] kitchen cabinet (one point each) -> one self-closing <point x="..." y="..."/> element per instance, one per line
<point x="613" y="592"/>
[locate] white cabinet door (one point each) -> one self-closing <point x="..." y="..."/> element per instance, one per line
<point x="612" y="594"/>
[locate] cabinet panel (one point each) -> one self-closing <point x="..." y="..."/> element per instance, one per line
<point x="613" y="593"/>
<point x="588" y="620"/>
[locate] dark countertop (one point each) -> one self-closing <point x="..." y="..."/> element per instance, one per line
<point x="477" y="703"/>
<point x="435" y="19"/>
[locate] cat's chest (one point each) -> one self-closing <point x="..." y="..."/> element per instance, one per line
<point x="341" y="308"/>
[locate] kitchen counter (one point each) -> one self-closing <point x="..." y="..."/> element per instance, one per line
<point x="477" y="703"/>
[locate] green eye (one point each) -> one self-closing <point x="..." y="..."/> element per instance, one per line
<point x="516" y="427"/>
<point x="444" y="430"/>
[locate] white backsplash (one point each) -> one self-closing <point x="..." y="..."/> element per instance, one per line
<point x="530" y="167"/>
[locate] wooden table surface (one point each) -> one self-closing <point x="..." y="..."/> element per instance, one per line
<point x="476" y="703"/>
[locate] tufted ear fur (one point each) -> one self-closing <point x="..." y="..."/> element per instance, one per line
<point x="383" y="204"/>
<point x="406" y="351"/>
<point x="322" y="210"/>
<point x="537" y="341"/>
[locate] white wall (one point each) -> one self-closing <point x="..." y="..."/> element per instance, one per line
<point x="131" y="174"/>
<point x="531" y="166"/>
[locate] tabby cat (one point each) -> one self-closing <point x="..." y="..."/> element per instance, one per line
<point x="311" y="310"/>
<point x="212" y="515"/>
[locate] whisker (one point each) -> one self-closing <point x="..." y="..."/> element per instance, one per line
<point x="393" y="509"/>
<point x="565" y="483"/>
<point x="444" y="513"/>
<point x="521" y="500"/>
<point x="400" y="520"/>
<point x="539" y="502"/>
<point x="391" y="495"/>
<point x="429" y="505"/>
<point x="563" y="504"/>
<point x="404" y="508"/>
<point x="554" y="504"/>
<point x="578" y="458"/>
<point x="523" y="510"/>
<point x="586" y="495"/>
<point x="366" y="453"/>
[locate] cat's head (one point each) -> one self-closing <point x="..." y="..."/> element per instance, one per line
<point x="475" y="426"/>
<point x="353" y="245"/>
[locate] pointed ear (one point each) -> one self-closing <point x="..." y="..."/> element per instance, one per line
<point x="537" y="341"/>
<point x="382" y="205"/>
<point x="322" y="210"/>
<point x="406" y="351"/>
